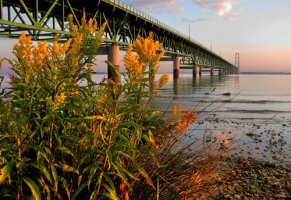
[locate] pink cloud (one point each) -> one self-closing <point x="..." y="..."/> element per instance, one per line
<point x="220" y="7"/>
<point x="168" y="6"/>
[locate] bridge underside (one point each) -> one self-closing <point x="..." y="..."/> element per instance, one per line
<point x="44" y="18"/>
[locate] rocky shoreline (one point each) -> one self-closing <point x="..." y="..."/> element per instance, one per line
<point x="258" y="158"/>
<point x="252" y="179"/>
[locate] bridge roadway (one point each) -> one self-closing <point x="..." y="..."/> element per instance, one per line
<point x="44" y="18"/>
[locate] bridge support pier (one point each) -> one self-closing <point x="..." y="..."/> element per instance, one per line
<point x="176" y="86"/>
<point x="200" y="71"/>
<point x="176" y="71"/>
<point x="220" y="72"/>
<point x="114" y="58"/>
<point x="212" y="72"/>
<point x="196" y="72"/>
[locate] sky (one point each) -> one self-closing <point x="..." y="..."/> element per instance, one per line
<point x="259" y="30"/>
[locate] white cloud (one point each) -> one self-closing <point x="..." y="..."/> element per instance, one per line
<point x="220" y="7"/>
<point x="159" y="6"/>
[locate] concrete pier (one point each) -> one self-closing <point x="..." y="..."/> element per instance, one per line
<point x="176" y="85"/>
<point x="114" y="58"/>
<point x="195" y="71"/>
<point x="212" y="72"/>
<point x="176" y="71"/>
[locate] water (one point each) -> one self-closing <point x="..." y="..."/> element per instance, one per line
<point x="251" y="96"/>
<point x="253" y="120"/>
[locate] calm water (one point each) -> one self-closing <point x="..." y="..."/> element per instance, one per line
<point x="255" y="118"/>
<point x="266" y="97"/>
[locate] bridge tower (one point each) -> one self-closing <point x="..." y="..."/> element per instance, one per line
<point x="237" y="62"/>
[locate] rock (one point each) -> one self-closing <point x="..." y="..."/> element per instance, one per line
<point x="226" y="94"/>
<point x="250" y="134"/>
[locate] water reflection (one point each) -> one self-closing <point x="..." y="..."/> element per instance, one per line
<point x="189" y="86"/>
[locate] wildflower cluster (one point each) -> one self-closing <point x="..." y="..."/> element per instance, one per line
<point x="59" y="50"/>
<point x="132" y="63"/>
<point x="163" y="80"/>
<point x="147" y="48"/>
<point x="180" y="121"/>
<point x="30" y="58"/>
<point x="144" y="62"/>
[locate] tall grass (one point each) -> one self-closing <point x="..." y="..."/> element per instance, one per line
<point x="62" y="136"/>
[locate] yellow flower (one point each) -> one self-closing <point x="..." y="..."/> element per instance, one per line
<point x="131" y="63"/>
<point x="59" y="99"/>
<point x="189" y="117"/>
<point x="147" y="48"/>
<point x="58" y="50"/>
<point x="181" y="122"/>
<point x="164" y="79"/>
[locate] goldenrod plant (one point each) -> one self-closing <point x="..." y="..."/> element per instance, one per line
<point x="62" y="136"/>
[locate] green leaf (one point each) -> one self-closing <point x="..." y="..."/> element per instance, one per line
<point x="109" y="180"/>
<point x="65" y="185"/>
<point x="143" y="173"/>
<point x="96" y="117"/>
<point x="114" y="71"/>
<point x="41" y="167"/>
<point x="130" y="174"/>
<point x="65" y="150"/>
<point x="78" y="190"/>
<point x="80" y="179"/>
<point x="55" y="176"/>
<point x="39" y="150"/>
<point x="92" y="173"/>
<point x="33" y="187"/>
<point x="121" y="174"/>
<point x="146" y="138"/>
<point x="68" y="168"/>
<point x="93" y="195"/>
<point x="5" y="171"/>
<point x="112" y="193"/>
